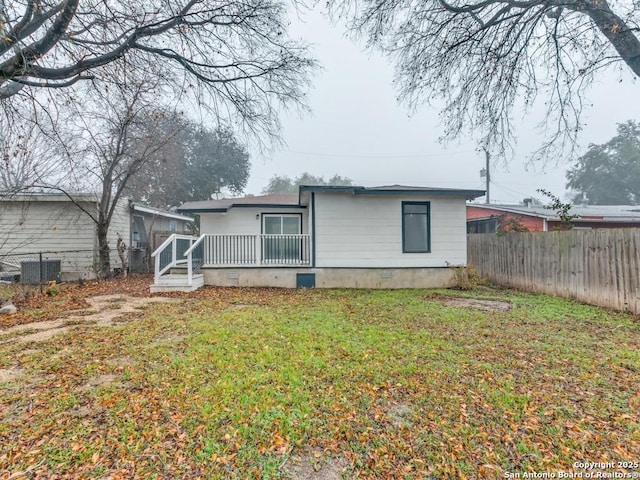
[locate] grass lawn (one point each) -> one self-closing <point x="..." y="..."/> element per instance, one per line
<point x="257" y="383"/>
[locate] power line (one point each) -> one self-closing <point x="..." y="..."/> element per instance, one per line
<point x="508" y="190"/>
<point x="345" y="155"/>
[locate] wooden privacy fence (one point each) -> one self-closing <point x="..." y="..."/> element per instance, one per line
<point x="599" y="267"/>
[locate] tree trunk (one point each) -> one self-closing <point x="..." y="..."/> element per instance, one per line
<point x="619" y="33"/>
<point x="104" y="261"/>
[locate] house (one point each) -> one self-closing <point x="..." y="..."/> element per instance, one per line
<point x="149" y="228"/>
<point x="326" y="236"/>
<point x="56" y="232"/>
<point x="482" y="218"/>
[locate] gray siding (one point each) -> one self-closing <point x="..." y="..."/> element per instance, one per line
<point x="59" y="229"/>
<point x="49" y="226"/>
<point x="158" y="223"/>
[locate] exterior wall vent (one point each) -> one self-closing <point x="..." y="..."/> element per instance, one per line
<point x="305" y="280"/>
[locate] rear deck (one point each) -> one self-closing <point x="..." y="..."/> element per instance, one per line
<point x="181" y="258"/>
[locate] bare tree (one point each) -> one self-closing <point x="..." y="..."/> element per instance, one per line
<point x="485" y="57"/>
<point x="234" y="56"/>
<point x="30" y="153"/>
<point x="118" y="146"/>
<point x="118" y="129"/>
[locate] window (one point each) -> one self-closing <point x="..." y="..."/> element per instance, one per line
<point x="482" y="225"/>
<point x="416" y="227"/>
<point x="139" y="236"/>
<point x="173" y="225"/>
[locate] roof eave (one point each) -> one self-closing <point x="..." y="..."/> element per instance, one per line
<point x="241" y="205"/>
<point x="203" y="210"/>
<point x="358" y="190"/>
<point x="160" y="213"/>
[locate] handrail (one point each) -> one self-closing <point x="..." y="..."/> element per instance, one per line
<point x="195" y="244"/>
<point x="164" y="245"/>
<point x="188" y="253"/>
<point x="169" y="240"/>
<point x="172" y="242"/>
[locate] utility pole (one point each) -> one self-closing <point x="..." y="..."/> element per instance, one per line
<point x="486" y="174"/>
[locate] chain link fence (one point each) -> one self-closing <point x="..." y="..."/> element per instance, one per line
<point x="40" y="268"/>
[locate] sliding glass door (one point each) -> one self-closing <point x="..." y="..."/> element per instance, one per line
<point x="281" y="240"/>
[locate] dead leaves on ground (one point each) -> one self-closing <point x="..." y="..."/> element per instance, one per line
<point x="35" y="305"/>
<point x="266" y="383"/>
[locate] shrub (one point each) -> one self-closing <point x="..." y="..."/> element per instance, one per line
<point x="467" y="277"/>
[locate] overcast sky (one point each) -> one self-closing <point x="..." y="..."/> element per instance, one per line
<point x="357" y="129"/>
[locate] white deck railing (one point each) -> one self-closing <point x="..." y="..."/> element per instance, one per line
<point x="256" y="250"/>
<point x="230" y="250"/>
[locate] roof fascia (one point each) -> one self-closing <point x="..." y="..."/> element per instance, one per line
<point x="469" y="194"/>
<point x="528" y="213"/>
<point x="267" y="205"/>
<point x="49" y="197"/>
<point x="203" y="210"/>
<point x="160" y="213"/>
<point x="240" y="205"/>
<point x="357" y="190"/>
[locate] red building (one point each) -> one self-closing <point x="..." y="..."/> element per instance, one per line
<point x="482" y="218"/>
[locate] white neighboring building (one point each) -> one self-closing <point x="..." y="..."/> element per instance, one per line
<point x="380" y="237"/>
<point x="61" y="230"/>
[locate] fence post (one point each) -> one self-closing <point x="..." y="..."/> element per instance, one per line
<point x="174" y="251"/>
<point x="156" y="268"/>
<point x="40" y="270"/>
<point x="190" y="264"/>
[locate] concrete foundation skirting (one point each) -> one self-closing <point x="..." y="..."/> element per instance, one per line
<point x="331" y="277"/>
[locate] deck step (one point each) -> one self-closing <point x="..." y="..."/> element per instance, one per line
<point x="177" y="282"/>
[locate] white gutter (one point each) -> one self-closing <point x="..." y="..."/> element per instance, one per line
<point x="161" y="213"/>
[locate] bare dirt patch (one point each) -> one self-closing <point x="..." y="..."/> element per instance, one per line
<point x="478" y="304"/>
<point x="41" y="335"/>
<point x="106" y="311"/>
<point x="29" y="351"/>
<point x="35" y="305"/>
<point x="10" y="374"/>
<point x="109" y="308"/>
<point x="121" y="361"/>
<point x="83" y="411"/>
<point x="314" y="465"/>
<point x="100" y="381"/>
